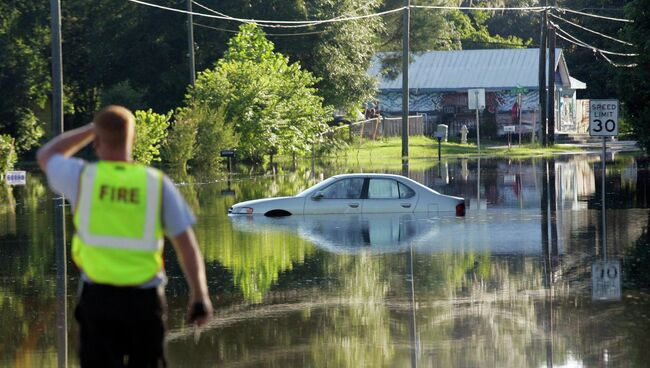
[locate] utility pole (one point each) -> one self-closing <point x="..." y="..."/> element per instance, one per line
<point x="58" y="203"/>
<point x="405" y="78"/>
<point x="551" y="85"/>
<point x="542" y="75"/>
<point x="190" y="42"/>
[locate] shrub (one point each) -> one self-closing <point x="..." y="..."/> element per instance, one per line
<point x="213" y="135"/>
<point x="29" y="130"/>
<point x="150" y="132"/>
<point x="7" y="154"/>
<point x="180" y="145"/>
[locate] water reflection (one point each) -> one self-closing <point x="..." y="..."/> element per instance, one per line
<point x="499" y="231"/>
<point x="509" y="285"/>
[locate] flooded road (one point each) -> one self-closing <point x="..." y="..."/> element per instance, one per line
<point x="509" y="285"/>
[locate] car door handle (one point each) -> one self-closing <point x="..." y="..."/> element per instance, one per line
<point x="406" y="205"/>
<point x="353" y="205"/>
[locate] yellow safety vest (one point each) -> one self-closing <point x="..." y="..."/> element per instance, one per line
<point x="118" y="236"/>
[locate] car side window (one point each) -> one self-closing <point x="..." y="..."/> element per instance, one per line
<point x="405" y="192"/>
<point x="344" y="189"/>
<point x="383" y="188"/>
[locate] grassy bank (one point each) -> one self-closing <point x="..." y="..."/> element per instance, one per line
<point x="422" y="150"/>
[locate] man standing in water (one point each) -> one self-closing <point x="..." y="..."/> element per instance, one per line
<point x="122" y="211"/>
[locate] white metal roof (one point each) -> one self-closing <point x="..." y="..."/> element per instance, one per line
<point x="463" y="69"/>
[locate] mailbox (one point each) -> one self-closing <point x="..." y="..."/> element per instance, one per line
<point x="228" y="153"/>
<point x="442" y="131"/>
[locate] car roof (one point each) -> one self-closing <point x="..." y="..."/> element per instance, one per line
<point x="366" y="175"/>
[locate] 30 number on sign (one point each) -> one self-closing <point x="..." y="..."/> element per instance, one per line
<point x="609" y="126"/>
<point x="603" y="118"/>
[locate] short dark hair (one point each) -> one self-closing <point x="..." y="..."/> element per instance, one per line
<point x="113" y="124"/>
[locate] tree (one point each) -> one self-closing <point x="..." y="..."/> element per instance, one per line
<point x="338" y="53"/>
<point x="634" y="83"/>
<point x="272" y="103"/>
<point x="24" y="70"/>
<point x="115" y="45"/>
<point x="436" y="29"/>
<point x="584" y="63"/>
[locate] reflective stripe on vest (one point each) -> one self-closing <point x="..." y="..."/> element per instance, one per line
<point x="119" y="236"/>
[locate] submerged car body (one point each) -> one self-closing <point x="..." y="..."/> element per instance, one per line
<point x="356" y="194"/>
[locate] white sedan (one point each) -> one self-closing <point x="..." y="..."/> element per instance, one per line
<point x="356" y="194"/>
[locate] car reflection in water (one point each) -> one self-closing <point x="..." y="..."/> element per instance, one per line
<point x="497" y="232"/>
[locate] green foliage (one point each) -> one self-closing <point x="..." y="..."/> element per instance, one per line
<point x="272" y="104"/>
<point x="7" y="153"/>
<point x="343" y="53"/>
<point x="123" y="94"/>
<point x="180" y="145"/>
<point x="472" y="31"/>
<point x="443" y="30"/>
<point x="29" y="130"/>
<point x="213" y="135"/>
<point x="634" y="83"/>
<point x="150" y="132"/>
<point x="586" y="65"/>
<point x="108" y="42"/>
<point x="24" y="69"/>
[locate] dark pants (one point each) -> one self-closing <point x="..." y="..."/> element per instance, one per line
<point x="121" y="327"/>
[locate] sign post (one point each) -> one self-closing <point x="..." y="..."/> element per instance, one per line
<point x="518" y="91"/>
<point x="605" y="275"/>
<point x="476" y="100"/>
<point x="511" y="129"/>
<point x="439" y="136"/>
<point x="603" y="122"/>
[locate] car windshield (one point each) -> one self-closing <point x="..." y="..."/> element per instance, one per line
<point x="316" y="187"/>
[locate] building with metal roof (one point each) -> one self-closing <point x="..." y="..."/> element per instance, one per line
<point x="439" y="80"/>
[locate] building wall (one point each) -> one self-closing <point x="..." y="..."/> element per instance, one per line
<point x="451" y="108"/>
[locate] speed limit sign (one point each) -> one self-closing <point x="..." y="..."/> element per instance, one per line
<point x="603" y="118"/>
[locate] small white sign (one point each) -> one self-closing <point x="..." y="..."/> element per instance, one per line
<point x="476" y="99"/>
<point x="603" y="118"/>
<point x="509" y="128"/>
<point x="606" y="280"/>
<point x="16" y="177"/>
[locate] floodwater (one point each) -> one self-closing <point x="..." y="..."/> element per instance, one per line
<point x="509" y="285"/>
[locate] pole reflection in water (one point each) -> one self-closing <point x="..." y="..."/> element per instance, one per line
<point x="412" y="321"/>
<point x="61" y="282"/>
<point x="405" y="167"/>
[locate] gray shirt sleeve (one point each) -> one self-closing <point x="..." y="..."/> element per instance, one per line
<point x="63" y="176"/>
<point x="177" y="215"/>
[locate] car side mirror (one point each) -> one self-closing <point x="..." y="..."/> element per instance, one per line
<point x="317" y="196"/>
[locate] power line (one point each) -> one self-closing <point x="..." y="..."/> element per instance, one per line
<point x="594" y="15"/>
<point x="271" y="23"/>
<point x="267" y="34"/>
<point x="584" y="44"/>
<point x="590" y="30"/>
<point x="530" y="8"/>
<point x="341" y="18"/>
<point x="616" y="64"/>
<point x="597" y="51"/>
